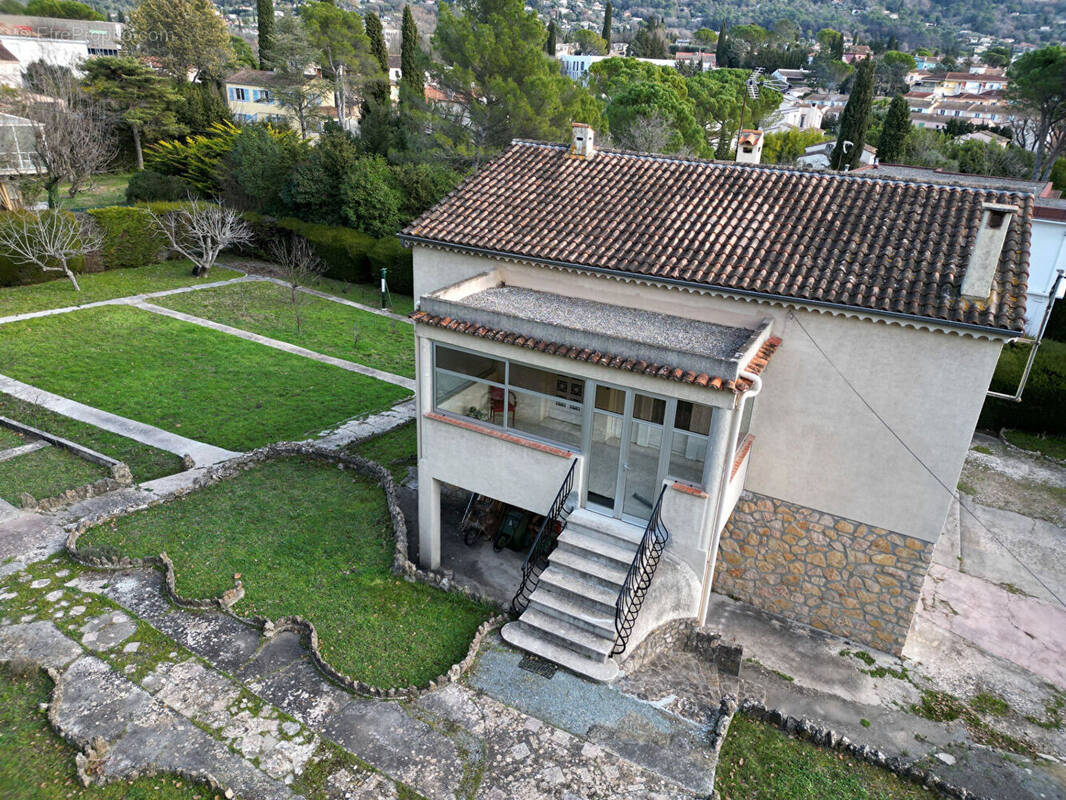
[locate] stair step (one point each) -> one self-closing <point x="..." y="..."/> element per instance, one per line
<point x="566" y="634"/>
<point x="576" y="540"/>
<point x="607" y="575"/>
<point x="607" y="527"/>
<point x="523" y="637"/>
<point x="576" y="612"/>
<point x="566" y="583"/>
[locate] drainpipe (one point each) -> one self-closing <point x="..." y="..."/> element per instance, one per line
<point x="1017" y="396"/>
<point x="723" y="484"/>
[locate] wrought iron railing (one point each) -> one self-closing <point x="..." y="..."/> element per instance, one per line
<point x="547" y="536"/>
<point x="638" y="578"/>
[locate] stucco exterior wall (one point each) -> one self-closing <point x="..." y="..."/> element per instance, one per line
<point x="817" y="443"/>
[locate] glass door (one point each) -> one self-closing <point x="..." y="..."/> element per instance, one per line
<point x="624" y="452"/>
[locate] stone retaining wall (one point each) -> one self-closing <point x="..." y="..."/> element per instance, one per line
<point x="840" y="575"/>
<point x="402" y="566"/>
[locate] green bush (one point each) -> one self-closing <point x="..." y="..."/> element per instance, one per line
<point x="148" y="185"/>
<point x="16" y="273"/>
<point x="391" y="255"/>
<point x="130" y="237"/>
<point x="348" y="255"/>
<point x="1045" y="393"/>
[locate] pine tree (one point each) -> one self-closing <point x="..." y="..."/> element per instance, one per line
<point x="411" y="71"/>
<point x="855" y="120"/>
<point x="549" y="45"/>
<point x="894" y="132"/>
<point x="608" y="11"/>
<point x="265" y="20"/>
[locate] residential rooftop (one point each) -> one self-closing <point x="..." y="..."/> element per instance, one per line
<point x="850" y="240"/>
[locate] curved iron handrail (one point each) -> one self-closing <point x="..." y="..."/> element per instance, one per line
<point x="547" y="536"/>
<point x="638" y="578"/>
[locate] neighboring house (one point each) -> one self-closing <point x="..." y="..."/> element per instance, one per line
<point x="577" y="67"/>
<point x="981" y="109"/>
<point x="949" y="84"/>
<point x="706" y="61"/>
<point x="985" y="137"/>
<point x="817" y="155"/>
<point x="828" y="102"/>
<point x="792" y="77"/>
<point x="18" y="146"/>
<point x="662" y="344"/>
<point x="252" y="97"/>
<point x="856" y="53"/>
<point x="63" y="42"/>
<point x="793" y="114"/>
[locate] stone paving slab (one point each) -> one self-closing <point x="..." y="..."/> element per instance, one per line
<point x="358" y="429"/>
<point x="23" y="449"/>
<point x="40" y="642"/>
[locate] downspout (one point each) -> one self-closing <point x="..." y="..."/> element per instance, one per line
<point x="723" y="484"/>
<point x="1017" y="396"/>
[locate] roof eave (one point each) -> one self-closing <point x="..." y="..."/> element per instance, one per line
<point x="1005" y="333"/>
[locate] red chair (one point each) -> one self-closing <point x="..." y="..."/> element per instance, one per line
<point x="496" y="401"/>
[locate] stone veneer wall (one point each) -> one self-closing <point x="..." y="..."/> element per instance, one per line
<point x="842" y="576"/>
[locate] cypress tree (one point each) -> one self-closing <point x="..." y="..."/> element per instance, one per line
<point x="894" y="132"/>
<point x="411" y="56"/>
<point x="264" y="10"/>
<point x="721" y="51"/>
<point x="608" y="11"/>
<point x="855" y="120"/>
<point x="549" y="45"/>
<point x="376" y="34"/>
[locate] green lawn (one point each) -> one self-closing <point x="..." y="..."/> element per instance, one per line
<point x="10" y="438"/>
<point x="369" y="294"/>
<point x="145" y="463"/>
<point x="396" y="450"/>
<point x="46" y="473"/>
<point x="760" y="762"/>
<point x="36" y="764"/>
<point x="105" y="285"/>
<point x="107" y="190"/>
<point x="326" y="327"/>
<point x="1048" y="444"/>
<point x="313" y="540"/>
<point x="184" y="378"/>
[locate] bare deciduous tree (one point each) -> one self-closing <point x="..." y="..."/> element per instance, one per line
<point x="74" y="134"/>
<point x="200" y="231"/>
<point x="49" y="240"/>
<point x="299" y="266"/>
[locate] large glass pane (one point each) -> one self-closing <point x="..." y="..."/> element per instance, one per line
<point x="692" y="417"/>
<point x="649" y="409"/>
<point x="464" y="396"/>
<point x="608" y="399"/>
<point x="556" y="419"/>
<point x="605" y="448"/>
<point x="471" y="364"/>
<point x="550" y="383"/>
<point x="642" y="469"/>
<point x="687" y="454"/>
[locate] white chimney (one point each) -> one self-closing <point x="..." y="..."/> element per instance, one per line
<point x="749" y="147"/>
<point x="582" y="140"/>
<point x="995" y="221"/>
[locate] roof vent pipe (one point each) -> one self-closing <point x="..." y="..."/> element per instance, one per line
<point x="995" y="221"/>
<point x="582" y="140"/>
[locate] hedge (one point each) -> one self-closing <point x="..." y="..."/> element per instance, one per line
<point x="1044" y="397"/>
<point x="347" y="254"/>
<point x="130" y="237"/>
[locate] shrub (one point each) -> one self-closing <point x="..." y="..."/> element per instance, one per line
<point x="1045" y="393"/>
<point x="370" y="202"/>
<point x="422" y="186"/>
<point x="130" y="237"/>
<point x="195" y="159"/>
<point x="256" y="168"/>
<point x="15" y="273"/>
<point x="391" y="255"/>
<point x="149" y="185"/>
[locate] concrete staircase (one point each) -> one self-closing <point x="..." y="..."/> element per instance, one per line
<point x="570" y="617"/>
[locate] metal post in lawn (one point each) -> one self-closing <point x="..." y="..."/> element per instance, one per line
<point x="384" y="289"/>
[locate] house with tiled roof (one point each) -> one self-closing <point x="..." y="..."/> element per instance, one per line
<point x="252" y="96"/>
<point x="699" y="378"/>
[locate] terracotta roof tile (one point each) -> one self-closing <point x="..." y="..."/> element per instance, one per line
<point x="666" y="372"/>
<point x="866" y="243"/>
